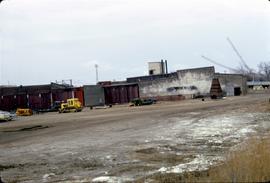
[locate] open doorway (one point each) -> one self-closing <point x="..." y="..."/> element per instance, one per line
<point x="237" y="91"/>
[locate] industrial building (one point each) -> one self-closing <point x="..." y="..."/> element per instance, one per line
<point x="189" y="83"/>
<point x="233" y="84"/>
<point x="110" y="93"/>
<point x="36" y="97"/>
<point x="159" y="85"/>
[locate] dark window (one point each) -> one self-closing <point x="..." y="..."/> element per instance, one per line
<point x="237" y="91"/>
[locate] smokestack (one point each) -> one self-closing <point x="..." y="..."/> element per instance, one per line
<point x="162" y="67"/>
<point x="166" y="63"/>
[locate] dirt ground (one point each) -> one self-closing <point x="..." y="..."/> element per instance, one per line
<point x="123" y="144"/>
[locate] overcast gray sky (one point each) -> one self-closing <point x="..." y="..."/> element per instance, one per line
<point x="47" y="40"/>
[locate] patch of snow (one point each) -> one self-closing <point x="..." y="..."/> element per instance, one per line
<point x="47" y="176"/>
<point x="194" y="113"/>
<point x="246" y="130"/>
<point x="163" y="169"/>
<point x="103" y="179"/>
<point x="109" y="179"/>
<point x="199" y="163"/>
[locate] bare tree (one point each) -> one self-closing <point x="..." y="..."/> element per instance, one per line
<point x="264" y="70"/>
<point x="249" y="73"/>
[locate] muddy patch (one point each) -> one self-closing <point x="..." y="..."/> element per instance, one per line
<point x="6" y="167"/>
<point x="31" y="128"/>
<point x="162" y="155"/>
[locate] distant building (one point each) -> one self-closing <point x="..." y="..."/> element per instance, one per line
<point x="258" y="86"/>
<point x="189" y="83"/>
<point x="156" y="68"/>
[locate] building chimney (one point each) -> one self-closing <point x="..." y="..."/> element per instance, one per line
<point x="162" y="67"/>
<point x="166" y="63"/>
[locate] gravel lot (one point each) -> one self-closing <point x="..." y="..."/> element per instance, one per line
<point x="124" y="143"/>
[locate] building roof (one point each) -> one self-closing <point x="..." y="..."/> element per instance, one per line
<point x="119" y="84"/>
<point x="228" y="74"/>
<point x="258" y="83"/>
<point x="151" y="77"/>
<point x="197" y="68"/>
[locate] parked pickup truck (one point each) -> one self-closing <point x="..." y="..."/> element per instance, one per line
<point x="139" y="102"/>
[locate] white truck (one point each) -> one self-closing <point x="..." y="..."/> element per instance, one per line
<point x="6" y="116"/>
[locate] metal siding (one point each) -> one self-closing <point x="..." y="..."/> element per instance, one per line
<point x="45" y="101"/>
<point x="40" y="101"/>
<point x="34" y="102"/>
<point x="94" y="95"/>
<point x="39" y="96"/>
<point x="108" y="96"/>
<point x="21" y="101"/>
<point x="78" y="93"/>
<point x="8" y="103"/>
<point x="121" y="94"/>
<point x="133" y="92"/>
<point x="61" y="95"/>
<point x="115" y="95"/>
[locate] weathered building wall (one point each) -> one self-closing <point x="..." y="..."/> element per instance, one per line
<point x="158" y="87"/>
<point x="188" y="83"/>
<point x="230" y="82"/>
<point x="196" y="81"/>
<point x="155" y="68"/>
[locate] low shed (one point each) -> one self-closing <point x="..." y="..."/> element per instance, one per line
<point x="121" y="93"/>
<point x="36" y="97"/>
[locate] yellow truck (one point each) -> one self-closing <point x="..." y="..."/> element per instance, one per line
<point x="72" y="105"/>
<point x="24" y="112"/>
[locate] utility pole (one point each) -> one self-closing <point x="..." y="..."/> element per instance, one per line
<point x="96" y="66"/>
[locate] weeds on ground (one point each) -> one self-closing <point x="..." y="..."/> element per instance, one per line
<point x="249" y="164"/>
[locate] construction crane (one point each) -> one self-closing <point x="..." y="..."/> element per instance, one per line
<point x="240" y="56"/>
<point x="217" y="63"/>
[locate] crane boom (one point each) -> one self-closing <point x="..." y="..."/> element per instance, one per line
<point x="239" y="55"/>
<point x="216" y="63"/>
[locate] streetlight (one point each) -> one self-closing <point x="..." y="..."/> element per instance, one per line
<point x="96" y="66"/>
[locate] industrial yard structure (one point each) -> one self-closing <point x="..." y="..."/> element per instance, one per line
<point x="37" y="97"/>
<point x="128" y="143"/>
<point x="189" y="83"/>
<point x="159" y="85"/>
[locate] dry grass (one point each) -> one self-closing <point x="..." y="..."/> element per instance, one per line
<point x="249" y="164"/>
